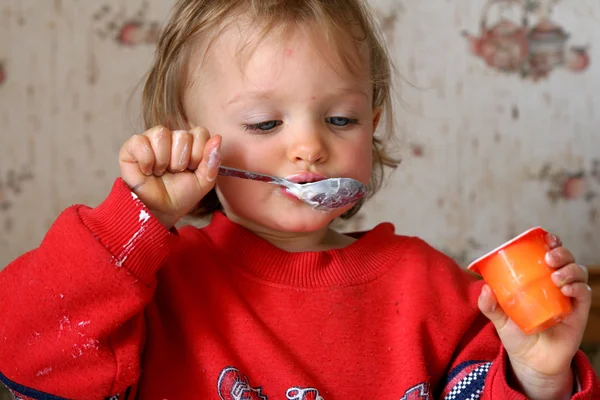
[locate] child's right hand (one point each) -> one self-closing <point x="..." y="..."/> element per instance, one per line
<point x="170" y="172"/>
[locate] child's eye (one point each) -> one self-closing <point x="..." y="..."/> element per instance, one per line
<point x="341" y="121"/>
<point x="263" y="126"/>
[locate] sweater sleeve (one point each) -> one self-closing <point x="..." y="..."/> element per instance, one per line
<point x="71" y="311"/>
<point x="480" y="366"/>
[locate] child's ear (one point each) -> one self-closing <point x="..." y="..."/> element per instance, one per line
<point x="376" y="117"/>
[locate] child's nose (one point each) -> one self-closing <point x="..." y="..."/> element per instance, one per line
<point x="309" y="146"/>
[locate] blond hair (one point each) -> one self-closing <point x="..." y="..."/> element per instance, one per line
<point x="162" y="98"/>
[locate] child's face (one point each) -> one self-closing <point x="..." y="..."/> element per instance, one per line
<point x="285" y="111"/>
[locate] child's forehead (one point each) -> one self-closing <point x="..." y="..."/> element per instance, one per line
<point x="242" y="41"/>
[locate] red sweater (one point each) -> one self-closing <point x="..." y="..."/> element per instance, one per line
<point x="112" y="303"/>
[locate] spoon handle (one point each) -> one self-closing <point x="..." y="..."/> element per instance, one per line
<point x="240" y="173"/>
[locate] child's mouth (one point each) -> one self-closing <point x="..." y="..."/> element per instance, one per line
<point x="305" y="177"/>
<point x="300" y="178"/>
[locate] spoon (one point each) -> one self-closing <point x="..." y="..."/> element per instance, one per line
<point x="327" y="194"/>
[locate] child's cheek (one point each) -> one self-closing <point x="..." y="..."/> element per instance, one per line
<point x="362" y="163"/>
<point x="361" y="169"/>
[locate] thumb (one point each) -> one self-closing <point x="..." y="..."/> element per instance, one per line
<point x="488" y="305"/>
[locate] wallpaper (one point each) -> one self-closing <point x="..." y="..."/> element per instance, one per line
<point x="496" y="113"/>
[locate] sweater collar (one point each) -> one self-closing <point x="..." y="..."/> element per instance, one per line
<point x="362" y="261"/>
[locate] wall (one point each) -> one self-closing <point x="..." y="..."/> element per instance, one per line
<point x="487" y="154"/>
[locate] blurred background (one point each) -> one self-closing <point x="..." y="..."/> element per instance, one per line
<point x="497" y="116"/>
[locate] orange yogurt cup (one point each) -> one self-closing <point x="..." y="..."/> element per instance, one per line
<point x="518" y="275"/>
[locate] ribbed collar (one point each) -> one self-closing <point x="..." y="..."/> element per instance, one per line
<point x="362" y="261"/>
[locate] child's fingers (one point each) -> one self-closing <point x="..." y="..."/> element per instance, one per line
<point x="553" y="241"/>
<point x="488" y="305"/>
<point x="570" y="273"/>
<point x="201" y="136"/>
<point x="136" y="155"/>
<point x="211" y="160"/>
<point x="580" y="291"/>
<point x="559" y="257"/>
<point x="181" y="149"/>
<point x="160" y="140"/>
<point x="582" y="301"/>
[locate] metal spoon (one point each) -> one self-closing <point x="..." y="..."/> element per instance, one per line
<point x="327" y="194"/>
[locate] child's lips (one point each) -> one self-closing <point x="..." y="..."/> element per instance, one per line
<point x="304" y="177"/>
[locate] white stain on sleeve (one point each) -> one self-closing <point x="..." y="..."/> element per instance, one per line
<point x="130" y="245"/>
<point x="44" y="371"/>
<point x="144" y="216"/>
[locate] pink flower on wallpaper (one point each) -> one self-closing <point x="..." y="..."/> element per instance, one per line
<point x="578" y="59"/>
<point x="131" y="30"/>
<point x="2" y="73"/>
<point x="574" y="187"/>
<point x="571" y="185"/>
<point x="417" y="150"/>
<point x="134" y="33"/>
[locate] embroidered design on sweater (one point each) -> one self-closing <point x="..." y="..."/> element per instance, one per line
<point x="233" y="385"/>
<point x="297" y="393"/>
<point x="418" y="392"/>
<point x="466" y="381"/>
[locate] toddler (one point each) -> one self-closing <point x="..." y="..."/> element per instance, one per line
<point x="267" y="301"/>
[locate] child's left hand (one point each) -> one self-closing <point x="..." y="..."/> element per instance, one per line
<point x="541" y="363"/>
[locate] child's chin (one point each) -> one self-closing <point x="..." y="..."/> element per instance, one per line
<point x="287" y="216"/>
<point x="306" y="219"/>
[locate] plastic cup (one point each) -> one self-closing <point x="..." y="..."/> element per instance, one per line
<point x="521" y="280"/>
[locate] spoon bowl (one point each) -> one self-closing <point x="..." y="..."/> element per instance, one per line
<point x="327" y="194"/>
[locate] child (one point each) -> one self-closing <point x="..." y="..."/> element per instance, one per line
<point x="267" y="302"/>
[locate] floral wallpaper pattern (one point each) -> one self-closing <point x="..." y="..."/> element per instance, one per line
<point x="530" y="43"/>
<point x="129" y="30"/>
<point x="485" y="155"/>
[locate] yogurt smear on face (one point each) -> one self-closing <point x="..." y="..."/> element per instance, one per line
<point x="304" y="194"/>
